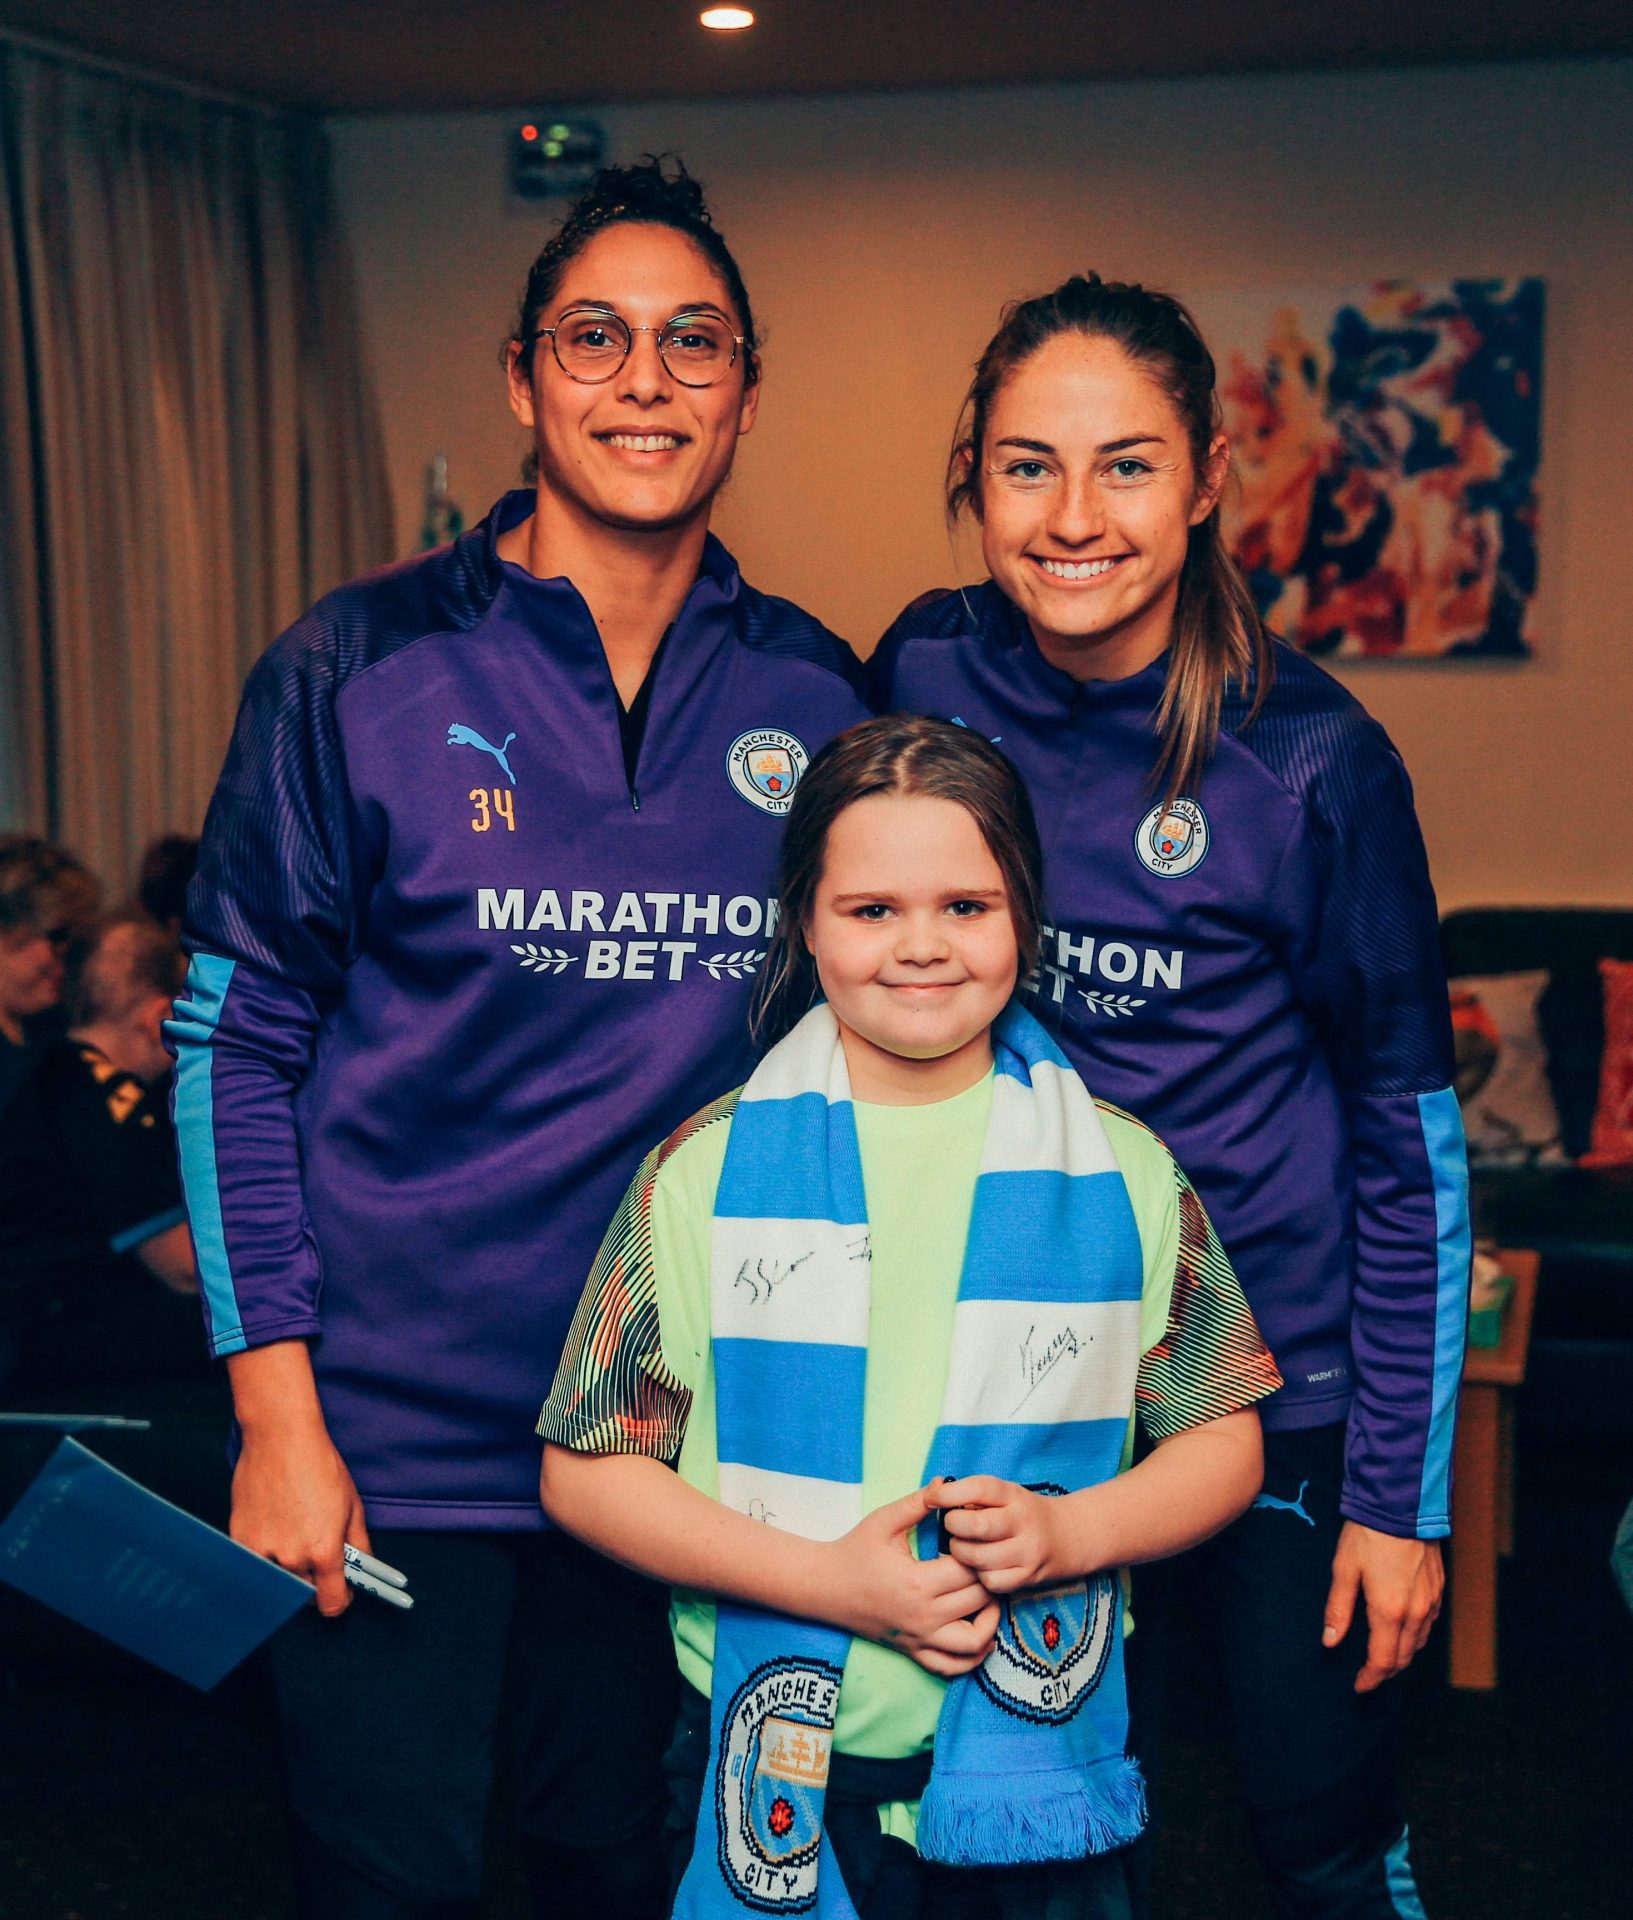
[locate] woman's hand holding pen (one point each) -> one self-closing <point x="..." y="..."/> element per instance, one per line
<point x="934" y="1611"/>
<point x="293" y="1500"/>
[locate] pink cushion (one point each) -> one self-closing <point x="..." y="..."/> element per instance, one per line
<point x="1611" y="1144"/>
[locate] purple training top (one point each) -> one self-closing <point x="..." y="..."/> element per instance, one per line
<point x="1256" y="974"/>
<point x="453" y="974"/>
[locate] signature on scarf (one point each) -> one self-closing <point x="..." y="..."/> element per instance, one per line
<point x="1037" y="1363"/>
<point x="765" y="1276"/>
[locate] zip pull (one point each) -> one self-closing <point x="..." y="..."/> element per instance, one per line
<point x="634" y="800"/>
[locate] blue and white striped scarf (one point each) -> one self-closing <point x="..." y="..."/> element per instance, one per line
<point x="1030" y="1761"/>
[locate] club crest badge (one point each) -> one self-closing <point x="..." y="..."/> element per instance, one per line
<point x="765" y="767"/>
<point x="775" y="1748"/>
<point x="1172" y="840"/>
<point x="1051" y="1648"/>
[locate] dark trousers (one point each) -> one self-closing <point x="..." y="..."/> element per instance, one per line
<point x="389" y="1721"/>
<point x="1315" y="1756"/>
<point x="885" y="1878"/>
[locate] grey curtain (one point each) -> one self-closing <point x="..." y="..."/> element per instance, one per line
<point x="189" y="448"/>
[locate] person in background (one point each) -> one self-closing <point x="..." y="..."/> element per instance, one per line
<point x="1245" y="954"/>
<point x="47" y="900"/>
<point x="480" y="897"/>
<point x="92" y="1233"/>
<point x="166" y="871"/>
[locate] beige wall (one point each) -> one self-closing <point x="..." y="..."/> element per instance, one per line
<point x="879" y="236"/>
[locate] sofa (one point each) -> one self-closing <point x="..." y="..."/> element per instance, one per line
<point x="1579" y="1219"/>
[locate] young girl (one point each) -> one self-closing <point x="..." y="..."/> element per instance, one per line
<point x="910" y="1270"/>
<point x="1244" y="951"/>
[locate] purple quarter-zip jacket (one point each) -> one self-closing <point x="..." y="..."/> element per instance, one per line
<point x="1255" y="974"/>
<point x="453" y="973"/>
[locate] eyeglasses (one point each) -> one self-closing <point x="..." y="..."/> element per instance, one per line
<point x="591" y="344"/>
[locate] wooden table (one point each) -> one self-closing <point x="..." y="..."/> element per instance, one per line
<point x="1483" y="1480"/>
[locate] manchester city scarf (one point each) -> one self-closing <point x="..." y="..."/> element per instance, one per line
<point x="1029" y="1761"/>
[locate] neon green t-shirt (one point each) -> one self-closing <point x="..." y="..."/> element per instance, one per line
<point x="636" y="1374"/>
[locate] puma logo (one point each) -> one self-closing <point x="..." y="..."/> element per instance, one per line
<point x="461" y="736"/>
<point x="1295" y="1505"/>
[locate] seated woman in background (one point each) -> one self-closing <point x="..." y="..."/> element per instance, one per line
<point x="47" y="901"/>
<point x="90" y="1200"/>
<point x="912" y="1249"/>
<point x="1245" y="953"/>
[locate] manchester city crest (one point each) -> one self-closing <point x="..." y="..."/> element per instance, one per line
<point x="1172" y="840"/>
<point x="1051" y="1648"/>
<point x="765" y="767"/>
<point x="775" y="1748"/>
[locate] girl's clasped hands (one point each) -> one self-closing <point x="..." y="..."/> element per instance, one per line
<point x="943" y="1612"/>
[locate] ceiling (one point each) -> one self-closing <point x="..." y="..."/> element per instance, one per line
<point x="395" y="56"/>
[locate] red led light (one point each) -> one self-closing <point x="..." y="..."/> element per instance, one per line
<point x="530" y="132"/>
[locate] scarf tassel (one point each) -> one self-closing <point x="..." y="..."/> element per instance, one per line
<point x="1064" y="1816"/>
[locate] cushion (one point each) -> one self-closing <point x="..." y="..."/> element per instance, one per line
<point x="1502" y="1071"/>
<point x="1611" y="1144"/>
<point x="1569" y="942"/>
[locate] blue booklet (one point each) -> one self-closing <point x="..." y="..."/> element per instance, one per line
<point x="90" y="1542"/>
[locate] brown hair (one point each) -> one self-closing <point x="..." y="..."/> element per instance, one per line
<point x="40" y="882"/>
<point x="129" y="961"/>
<point x="1218" y="635"/>
<point x="167" y="867"/>
<point x="909" y="754"/>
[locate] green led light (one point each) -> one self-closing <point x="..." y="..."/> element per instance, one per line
<point x="552" y="149"/>
<point x="560" y="130"/>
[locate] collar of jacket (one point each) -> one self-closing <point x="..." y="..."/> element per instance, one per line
<point x="475" y="555"/>
<point x="1004" y="629"/>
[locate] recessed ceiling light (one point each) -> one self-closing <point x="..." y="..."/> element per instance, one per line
<point x="726" y="19"/>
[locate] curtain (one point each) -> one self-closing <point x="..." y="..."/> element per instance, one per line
<point x="189" y="447"/>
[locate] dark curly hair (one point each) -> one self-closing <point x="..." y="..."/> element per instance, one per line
<point x="657" y="191"/>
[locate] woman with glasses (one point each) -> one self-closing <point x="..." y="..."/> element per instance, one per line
<point x="481" y="895"/>
<point x="1244" y="953"/>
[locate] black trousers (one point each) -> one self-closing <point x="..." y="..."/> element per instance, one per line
<point x="389" y="1723"/>
<point x="1315" y="1757"/>
<point x="884" y="1876"/>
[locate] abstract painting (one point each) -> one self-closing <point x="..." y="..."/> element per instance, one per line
<point x="1387" y="440"/>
